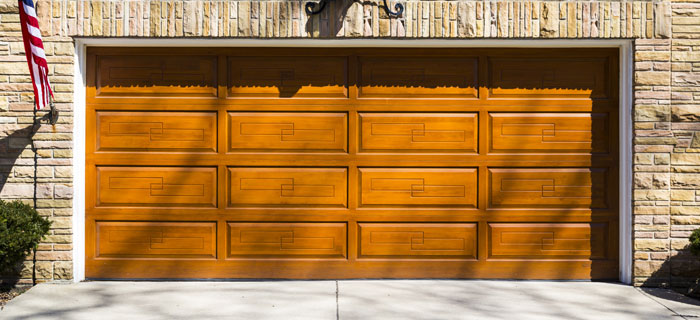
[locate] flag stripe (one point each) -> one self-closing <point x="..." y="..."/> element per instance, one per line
<point x="36" y="56"/>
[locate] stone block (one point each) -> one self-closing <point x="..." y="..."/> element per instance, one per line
<point x="685" y="180"/>
<point x="652" y="195"/>
<point x="685" y="210"/>
<point x="685" y="113"/>
<point x="685" y="220"/>
<point x="652" y="78"/>
<point x="662" y="158"/>
<point x="14" y="68"/>
<point x="652" y="113"/>
<point x="685" y="158"/>
<point x="651" y="244"/>
<point x="549" y="20"/>
<point x="682" y="195"/>
<point x="8" y="6"/>
<point x="662" y="20"/>
<point x="63" y="270"/>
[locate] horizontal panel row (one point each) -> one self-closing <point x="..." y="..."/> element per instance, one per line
<point x="328" y="132"/>
<point x="328" y="187"/>
<point x="414" y="77"/>
<point x="290" y="240"/>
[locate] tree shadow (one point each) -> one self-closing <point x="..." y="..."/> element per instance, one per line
<point x="679" y="272"/>
<point x="11" y="147"/>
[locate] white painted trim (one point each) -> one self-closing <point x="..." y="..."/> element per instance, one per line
<point x="625" y="166"/>
<point x="625" y="134"/>
<point x="79" y="132"/>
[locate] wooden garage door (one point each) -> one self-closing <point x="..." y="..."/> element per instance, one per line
<point x="352" y="163"/>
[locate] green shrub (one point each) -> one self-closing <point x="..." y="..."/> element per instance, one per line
<point x="695" y="242"/>
<point x="21" y="229"/>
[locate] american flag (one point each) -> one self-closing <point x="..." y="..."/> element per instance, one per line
<point x="36" y="58"/>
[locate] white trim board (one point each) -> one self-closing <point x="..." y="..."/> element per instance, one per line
<point x="625" y="134"/>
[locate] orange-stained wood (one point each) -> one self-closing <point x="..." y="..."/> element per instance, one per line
<point x="288" y="187"/>
<point x="419" y="132"/>
<point x="548" y="240"/>
<point x="286" y="240"/>
<point x="352" y="163"/>
<point x="542" y="188"/>
<point x="156" y="131"/>
<point x="288" y="131"/>
<point x="418" y="187"/>
<point x="417" y="240"/>
<point x="549" y="132"/>
<point x="156" y="186"/>
<point x="174" y="240"/>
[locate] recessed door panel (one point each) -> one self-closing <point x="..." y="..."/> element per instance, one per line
<point x="548" y="240"/>
<point x="286" y="240"/>
<point x="156" y="187"/>
<point x="169" y="240"/>
<point x="156" y="131"/>
<point x="418" y="77"/>
<point x="537" y="77"/>
<point x="287" y="132"/>
<point x="287" y="77"/>
<point x="419" y="132"/>
<point x="548" y="188"/>
<point x="549" y="132"/>
<point x="288" y="187"/>
<point x="417" y="240"/>
<point x="156" y="76"/>
<point x="418" y="187"/>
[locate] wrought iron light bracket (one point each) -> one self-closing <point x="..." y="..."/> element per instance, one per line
<point x="313" y="8"/>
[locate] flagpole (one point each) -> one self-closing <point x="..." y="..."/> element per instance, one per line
<point x="35" y="124"/>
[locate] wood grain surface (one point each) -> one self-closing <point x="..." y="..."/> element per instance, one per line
<point x="343" y="163"/>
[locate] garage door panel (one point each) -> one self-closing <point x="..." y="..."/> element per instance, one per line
<point x="418" y="187"/>
<point x="548" y="240"/>
<point x="548" y="187"/>
<point x="528" y="78"/>
<point x="321" y="163"/>
<point x="264" y="240"/>
<point x="287" y="77"/>
<point x="287" y="131"/>
<point x="156" y="187"/>
<point x="288" y="187"/>
<point x="417" y="240"/>
<point x="419" y="132"/>
<point x="156" y="76"/>
<point x="418" y="77"/>
<point x="172" y="240"/>
<point x="549" y="132"/>
<point x="156" y="131"/>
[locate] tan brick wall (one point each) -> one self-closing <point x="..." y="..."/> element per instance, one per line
<point x="666" y="81"/>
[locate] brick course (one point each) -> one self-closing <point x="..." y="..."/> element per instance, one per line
<point x="666" y="112"/>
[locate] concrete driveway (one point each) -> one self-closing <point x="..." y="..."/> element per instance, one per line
<point x="386" y="299"/>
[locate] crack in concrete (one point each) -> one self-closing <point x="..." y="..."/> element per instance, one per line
<point x="675" y="314"/>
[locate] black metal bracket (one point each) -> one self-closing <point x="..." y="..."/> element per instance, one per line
<point x="53" y="113"/>
<point x="313" y="8"/>
<point x="51" y="117"/>
<point x="398" y="7"/>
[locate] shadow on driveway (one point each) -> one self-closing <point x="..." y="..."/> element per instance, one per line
<point x="367" y="299"/>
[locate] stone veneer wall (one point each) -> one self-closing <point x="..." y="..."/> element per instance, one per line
<point x="666" y="88"/>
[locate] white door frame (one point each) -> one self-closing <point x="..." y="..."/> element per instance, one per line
<point x="625" y="125"/>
